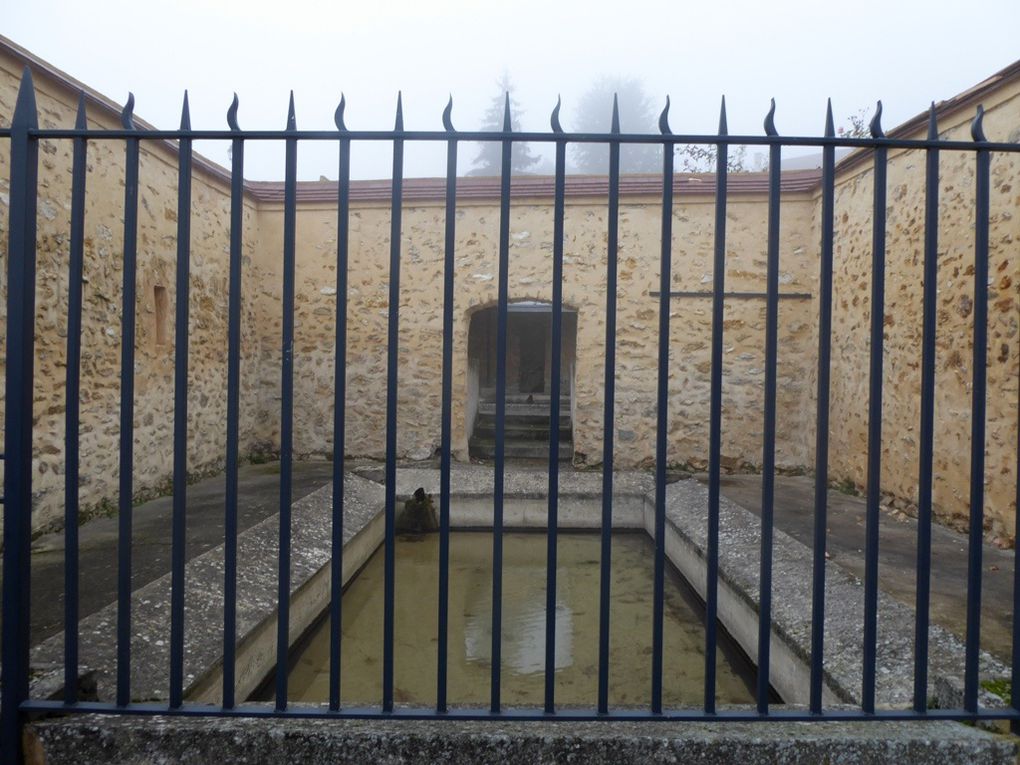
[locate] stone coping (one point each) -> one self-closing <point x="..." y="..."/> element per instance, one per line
<point x="477" y="480"/>
<point x="127" y="739"/>
<point x="739" y="561"/>
<point x="257" y="556"/>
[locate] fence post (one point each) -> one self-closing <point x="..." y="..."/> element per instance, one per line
<point x="18" y="419"/>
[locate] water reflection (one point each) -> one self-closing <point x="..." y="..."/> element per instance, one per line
<point x="523" y="646"/>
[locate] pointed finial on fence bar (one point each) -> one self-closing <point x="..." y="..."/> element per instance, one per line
<point x="80" y="121"/>
<point x="185" y="114"/>
<point x="25" y="114"/>
<point x="127" y="115"/>
<point x="507" y="127"/>
<point x="723" y="127"/>
<point x="338" y="115"/>
<point x="448" y="116"/>
<point x="977" y="127"/>
<point x="770" y="122"/>
<point x="399" y="123"/>
<point x="291" y="117"/>
<point x="664" y="119"/>
<point x="554" y="120"/>
<point x="615" y="126"/>
<point x="876" y="122"/>
<point x="933" y="125"/>
<point x="232" y="114"/>
<point x="830" y="126"/>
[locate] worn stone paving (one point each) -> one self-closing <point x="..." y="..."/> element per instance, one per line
<point x="897" y="554"/>
<point x="258" y="498"/>
<point x="739" y="564"/>
<point x="257" y="554"/>
<point x="687" y="502"/>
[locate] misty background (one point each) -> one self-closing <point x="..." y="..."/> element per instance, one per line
<point x="798" y="51"/>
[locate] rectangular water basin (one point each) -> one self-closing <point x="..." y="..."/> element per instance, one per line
<point x="524" y="622"/>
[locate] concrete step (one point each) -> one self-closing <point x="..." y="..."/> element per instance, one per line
<point x="486" y="449"/>
<point x="521" y="431"/>
<point x="488" y="395"/>
<point x="488" y="408"/>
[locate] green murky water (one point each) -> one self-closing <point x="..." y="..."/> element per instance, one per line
<point x="523" y="646"/>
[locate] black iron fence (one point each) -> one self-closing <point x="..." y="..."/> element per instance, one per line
<point x="25" y="136"/>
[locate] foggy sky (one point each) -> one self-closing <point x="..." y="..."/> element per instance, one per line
<point x="798" y="51"/>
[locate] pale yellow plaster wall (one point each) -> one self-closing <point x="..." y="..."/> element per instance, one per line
<point x="903" y="320"/>
<point x="101" y="320"/>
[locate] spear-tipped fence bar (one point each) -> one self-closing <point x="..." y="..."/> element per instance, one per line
<point x="874" y="419"/>
<point x="24" y="137"/>
<point x="286" y="408"/>
<point x="343" y="203"/>
<point x="552" y="522"/>
<point x="393" y="330"/>
<point x="233" y="410"/>
<point x="662" y="409"/>
<point x="822" y="419"/>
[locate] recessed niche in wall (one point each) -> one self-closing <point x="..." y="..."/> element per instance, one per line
<point x="162" y="309"/>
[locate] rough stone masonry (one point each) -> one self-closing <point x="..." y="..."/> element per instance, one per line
<point x="422" y="243"/>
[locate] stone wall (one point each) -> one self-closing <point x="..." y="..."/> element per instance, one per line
<point x="585" y="260"/>
<point x="101" y="318"/>
<point x="422" y="245"/>
<point x="903" y="319"/>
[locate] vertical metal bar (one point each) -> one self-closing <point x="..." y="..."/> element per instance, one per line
<point x="552" y="522"/>
<point x="768" y="472"/>
<point x="715" y="414"/>
<point x="822" y="417"/>
<point x="286" y="408"/>
<point x="927" y="434"/>
<point x="19" y="382"/>
<point x="127" y="395"/>
<point x="662" y="410"/>
<point x="501" y="341"/>
<point x="180" y="498"/>
<point x="977" y="417"/>
<point x="72" y="406"/>
<point x="339" y="407"/>
<point x="1015" y="663"/>
<point x="608" y="425"/>
<point x="449" y="266"/>
<point x="391" y="407"/>
<point x="233" y="410"/>
<point x="874" y="420"/>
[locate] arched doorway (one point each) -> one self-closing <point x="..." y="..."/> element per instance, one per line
<point x="528" y="380"/>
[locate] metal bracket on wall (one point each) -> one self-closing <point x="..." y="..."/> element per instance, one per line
<point x="737" y="295"/>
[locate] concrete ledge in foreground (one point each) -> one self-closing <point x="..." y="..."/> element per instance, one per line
<point x="136" y="740"/>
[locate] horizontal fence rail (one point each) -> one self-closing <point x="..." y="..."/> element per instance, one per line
<point x="25" y="136"/>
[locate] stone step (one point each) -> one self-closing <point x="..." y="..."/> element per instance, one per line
<point x="488" y="395"/>
<point x="487" y="408"/>
<point x="485" y="449"/>
<point x="515" y="430"/>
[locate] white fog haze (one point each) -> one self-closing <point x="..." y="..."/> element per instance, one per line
<point x="800" y="52"/>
